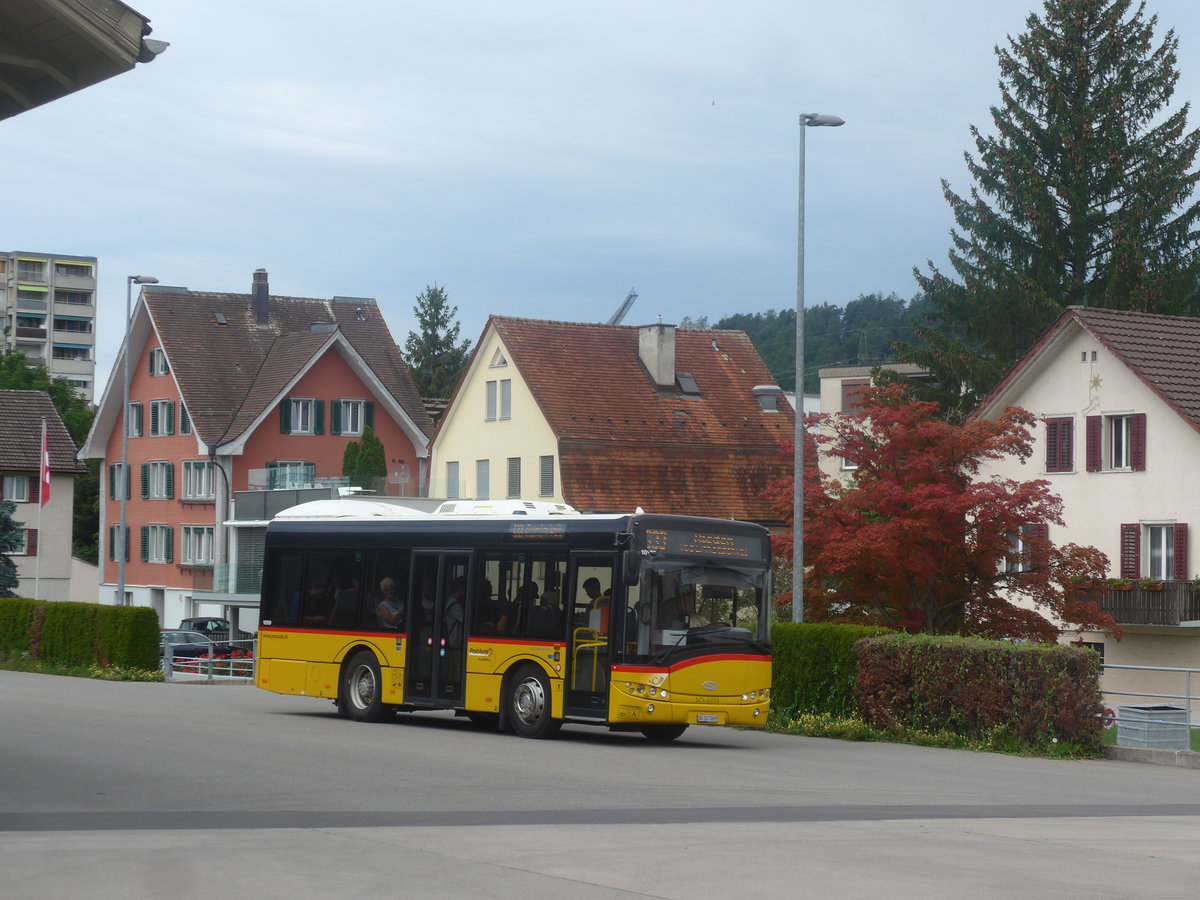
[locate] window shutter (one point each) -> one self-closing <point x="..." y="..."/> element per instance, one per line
<point x="1095" y="443"/>
<point x="185" y="421"/>
<point x="1131" y="550"/>
<point x="514" y="477"/>
<point x="145" y="543"/>
<point x="145" y="481"/>
<point x="1181" y="551"/>
<point x="285" y="417"/>
<point x="169" y="544"/>
<point x="31" y="539"/>
<point x="1039" y="549"/>
<point x="1138" y="450"/>
<point x="170" y="479"/>
<point x="368" y="414"/>
<point x="151" y="362"/>
<point x="491" y="401"/>
<point x="155" y="428"/>
<point x="170" y="408"/>
<point x="547" y="476"/>
<point x="112" y="542"/>
<point x="318" y="417"/>
<point x="1060" y="453"/>
<point x="506" y="398"/>
<point x="34" y="489"/>
<point x="112" y="482"/>
<point x="335" y="417"/>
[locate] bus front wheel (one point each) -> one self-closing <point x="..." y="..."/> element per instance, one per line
<point x="362" y="689"/>
<point x="529" y="704"/>
<point x="662" y="734"/>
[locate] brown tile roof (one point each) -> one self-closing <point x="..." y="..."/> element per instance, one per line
<point x="623" y="443"/>
<point x="230" y="373"/>
<point x="21" y="415"/>
<point x="1163" y="351"/>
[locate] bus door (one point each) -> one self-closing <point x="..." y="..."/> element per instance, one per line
<point x="436" y="629"/>
<point x="592" y="636"/>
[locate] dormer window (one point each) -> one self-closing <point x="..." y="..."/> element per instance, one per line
<point x="687" y="384"/>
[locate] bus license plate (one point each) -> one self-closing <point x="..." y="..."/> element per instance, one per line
<point x="706" y="718"/>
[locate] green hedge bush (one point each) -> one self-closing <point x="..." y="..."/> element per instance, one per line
<point x="79" y="634"/>
<point x="814" y="667"/>
<point x="1038" y="694"/>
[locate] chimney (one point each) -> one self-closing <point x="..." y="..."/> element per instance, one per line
<point x="656" y="349"/>
<point x="259" y="292"/>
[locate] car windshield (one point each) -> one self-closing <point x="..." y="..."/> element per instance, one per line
<point x="678" y="606"/>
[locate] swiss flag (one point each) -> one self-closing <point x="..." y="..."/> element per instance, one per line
<point x="45" y="474"/>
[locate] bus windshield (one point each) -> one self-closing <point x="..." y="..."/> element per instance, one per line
<point x="680" y="608"/>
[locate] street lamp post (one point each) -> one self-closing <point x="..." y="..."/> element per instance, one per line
<point x="122" y="549"/>
<point x="807" y="120"/>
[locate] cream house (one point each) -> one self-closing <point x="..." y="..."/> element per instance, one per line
<point x="1119" y="397"/>
<point x="611" y="417"/>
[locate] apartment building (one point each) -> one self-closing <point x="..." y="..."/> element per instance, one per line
<point x="48" y="312"/>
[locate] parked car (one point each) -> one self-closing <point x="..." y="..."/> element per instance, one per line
<point x="219" y="630"/>
<point x="189" y="643"/>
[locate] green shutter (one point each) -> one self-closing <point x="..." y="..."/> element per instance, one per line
<point x="318" y="417"/>
<point x="335" y="417"/>
<point x="145" y="543"/>
<point x="170" y="485"/>
<point x="112" y="484"/>
<point x="150" y="362"/>
<point x="170" y="417"/>
<point x="368" y="414"/>
<point x="145" y="481"/>
<point x="285" y="417"/>
<point x="169" y="544"/>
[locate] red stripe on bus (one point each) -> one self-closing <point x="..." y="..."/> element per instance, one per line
<point x="483" y="639"/>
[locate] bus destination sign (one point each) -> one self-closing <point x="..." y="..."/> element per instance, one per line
<point x="702" y="543"/>
<point x="537" y="531"/>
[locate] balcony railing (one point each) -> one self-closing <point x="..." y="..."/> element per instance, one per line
<point x="1174" y="604"/>
<point x="227" y="579"/>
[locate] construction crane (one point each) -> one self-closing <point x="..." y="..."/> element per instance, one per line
<point x="623" y="309"/>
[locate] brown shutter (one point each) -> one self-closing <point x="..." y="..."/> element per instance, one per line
<point x="1181" y="551"/>
<point x="1131" y="550"/>
<point x="31" y="538"/>
<point x="1038" y="534"/>
<point x="35" y="489"/>
<point x="1137" y="457"/>
<point x="1095" y="443"/>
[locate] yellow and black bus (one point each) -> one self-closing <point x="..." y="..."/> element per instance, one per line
<point x="522" y="617"/>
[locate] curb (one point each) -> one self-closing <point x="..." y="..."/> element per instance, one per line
<point x="1180" y="759"/>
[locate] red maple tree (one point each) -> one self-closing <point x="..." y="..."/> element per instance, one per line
<point x="916" y="539"/>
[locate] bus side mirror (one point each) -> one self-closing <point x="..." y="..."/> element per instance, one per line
<point x="631" y="568"/>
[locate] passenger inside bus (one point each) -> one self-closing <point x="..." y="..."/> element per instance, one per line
<point x="546" y="617"/>
<point x="388" y="607"/>
<point x="598" y="605"/>
<point x="316" y="607"/>
<point x="453" y="612"/>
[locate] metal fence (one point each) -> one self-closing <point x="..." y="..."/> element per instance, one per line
<point x="1157" y="706"/>
<point x="212" y="668"/>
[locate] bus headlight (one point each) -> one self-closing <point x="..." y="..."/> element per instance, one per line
<point x="663" y="694"/>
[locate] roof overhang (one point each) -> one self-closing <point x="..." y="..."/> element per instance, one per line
<point x="52" y="48"/>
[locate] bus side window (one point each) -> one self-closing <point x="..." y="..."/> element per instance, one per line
<point x="287" y="593"/>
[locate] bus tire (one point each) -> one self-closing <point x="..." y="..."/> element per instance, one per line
<point x="662" y="734"/>
<point x="361" y="693"/>
<point x="529" y="702"/>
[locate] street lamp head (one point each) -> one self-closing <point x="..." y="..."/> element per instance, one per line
<point x="142" y="279"/>
<point x="813" y="120"/>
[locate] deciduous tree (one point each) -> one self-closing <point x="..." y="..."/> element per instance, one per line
<point x="918" y="539"/>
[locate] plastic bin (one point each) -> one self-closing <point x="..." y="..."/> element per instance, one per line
<point x="1156" y="727"/>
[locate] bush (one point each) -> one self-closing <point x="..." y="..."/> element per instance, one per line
<point x="79" y="634"/>
<point x="814" y="667"/>
<point x="1023" y="695"/>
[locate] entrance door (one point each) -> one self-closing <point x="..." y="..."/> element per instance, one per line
<point x="592" y="625"/>
<point x="436" y="629"/>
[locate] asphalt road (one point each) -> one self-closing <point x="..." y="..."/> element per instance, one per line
<point x="114" y="790"/>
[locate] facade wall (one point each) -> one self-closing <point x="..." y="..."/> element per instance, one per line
<point x="47" y="575"/>
<point x="467" y="436"/>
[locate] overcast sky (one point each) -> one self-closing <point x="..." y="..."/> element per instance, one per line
<point x="535" y="158"/>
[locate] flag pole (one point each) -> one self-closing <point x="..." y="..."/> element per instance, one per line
<point x="43" y="496"/>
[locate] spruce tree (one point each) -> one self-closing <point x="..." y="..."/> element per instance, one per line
<point x="10" y="540"/>
<point x="435" y="359"/>
<point x="1082" y="196"/>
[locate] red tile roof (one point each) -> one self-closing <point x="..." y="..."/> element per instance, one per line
<point x="1163" y="351"/>
<point x="229" y="373"/>
<point x="21" y="414"/>
<point x="624" y="443"/>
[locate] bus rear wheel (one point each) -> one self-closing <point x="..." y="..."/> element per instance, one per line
<point x="529" y="702"/>
<point x="663" y="734"/>
<point x="361" y="691"/>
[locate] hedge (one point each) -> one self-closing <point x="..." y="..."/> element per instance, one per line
<point x="814" y="667"/>
<point x="1041" y="693"/>
<point x="79" y="634"/>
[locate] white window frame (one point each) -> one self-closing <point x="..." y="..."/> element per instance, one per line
<point x="352" y="417"/>
<point x="15" y="485"/>
<point x="196" y="545"/>
<point x="135" y="418"/>
<point x="22" y="548"/>
<point x="156" y="473"/>
<point x="1160" y="560"/>
<point x="158" y="361"/>
<point x="302" y="418"/>
<point x="1118" y="441"/>
<point x="198" y="479"/>
<point x="157" y="543"/>
<point x="162" y="413"/>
